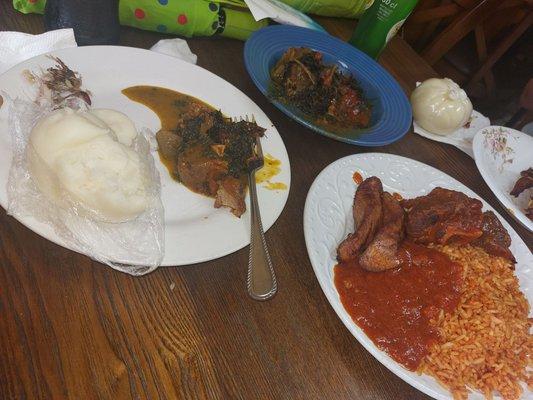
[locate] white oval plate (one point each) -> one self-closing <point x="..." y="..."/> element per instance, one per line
<point x="328" y="219"/>
<point x="501" y="153"/>
<point x="194" y="230"/>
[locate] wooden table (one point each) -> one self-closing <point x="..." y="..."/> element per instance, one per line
<point x="73" y="328"/>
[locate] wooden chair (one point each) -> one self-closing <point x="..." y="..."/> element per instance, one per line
<point x="525" y="114"/>
<point x="437" y="26"/>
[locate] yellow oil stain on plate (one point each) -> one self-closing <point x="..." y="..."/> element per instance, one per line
<point x="271" y="168"/>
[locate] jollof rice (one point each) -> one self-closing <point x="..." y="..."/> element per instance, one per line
<point x="486" y="343"/>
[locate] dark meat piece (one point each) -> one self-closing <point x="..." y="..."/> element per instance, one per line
<point x="211" y="156"/>
<point x="298" y="79"/>
<point x="495" y="239"/>
<point x="446" y="216"/>
<point x="293" y="72"/>
<point x="230" y="194"/>
<point x="192" y="111"/>
<point x="367" y="213"/>
<point x="199" y="172"/>
<point x="382" y="253"/>
<point x="443" y="216"/>
<point x="327" y="76"/>
<point x="524" y="182"/>
<point x="168" y="143"/>
<point x="349" y="108"/>
<point x="320" y="90"/>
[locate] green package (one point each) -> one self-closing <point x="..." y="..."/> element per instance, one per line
<point x="205" y="18"/>
<point x="179" y="17"/>
<point x="331" y="8"/>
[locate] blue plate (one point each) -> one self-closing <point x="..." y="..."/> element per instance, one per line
<point x="391" y="111"/>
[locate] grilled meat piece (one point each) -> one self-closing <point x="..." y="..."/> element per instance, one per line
<point x="230" y="193"/>
<point x="443" y="216"/>
<point x="446" y="216"/>
<point x="367" y="214"/>
<point x="382" y="253"/>
<point x="523" y="183"/>
<point x="495" y="239"/>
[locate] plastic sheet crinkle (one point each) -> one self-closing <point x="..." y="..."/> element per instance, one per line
<point x="135" y="247"/>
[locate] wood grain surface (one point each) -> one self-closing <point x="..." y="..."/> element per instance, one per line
<point x="71" y="328"/>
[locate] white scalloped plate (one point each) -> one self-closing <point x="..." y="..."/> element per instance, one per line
<point x="328" y="219"/>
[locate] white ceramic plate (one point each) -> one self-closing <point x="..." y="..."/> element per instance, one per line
<point x="501" y="154"/>
<point x="328" y="219"/>
<point x="194" y="230"/>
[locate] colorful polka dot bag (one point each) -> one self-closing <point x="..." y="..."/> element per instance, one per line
<point x="179" y="17"/>
<point x="205" y="18"/>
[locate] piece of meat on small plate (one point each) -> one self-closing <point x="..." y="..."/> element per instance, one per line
<point x="523" y="183"/>
<point x="443" y="216"/>
<point x="382" y="252"/>
<point x="367" y="214"/>
<point x="495" y="239"/>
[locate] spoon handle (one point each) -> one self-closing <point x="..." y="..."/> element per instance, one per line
<point x="261" y="282"/>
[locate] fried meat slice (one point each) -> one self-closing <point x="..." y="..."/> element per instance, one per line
<point x="382" y="252"/>
<point x="367" y="213"/>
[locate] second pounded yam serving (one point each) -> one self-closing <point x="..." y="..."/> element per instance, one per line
<point x="206" y="151"/>
<point x="430" y="281"/>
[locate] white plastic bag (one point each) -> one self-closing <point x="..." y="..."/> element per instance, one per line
<point x="134" y="247"/>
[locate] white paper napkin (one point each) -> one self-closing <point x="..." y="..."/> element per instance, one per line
<point x="176" y="48"/>
<point x="16" y="47"/>
<point x="461" y="138"/>
<point x="281" y="13"/>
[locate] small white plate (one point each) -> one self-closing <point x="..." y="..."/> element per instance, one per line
<point x="328" y="219"/>
<point x="194" y="230"/>
<point x="501" y="153"/>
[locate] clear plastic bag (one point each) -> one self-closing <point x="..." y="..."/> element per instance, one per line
<point x="135" y="247"/>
